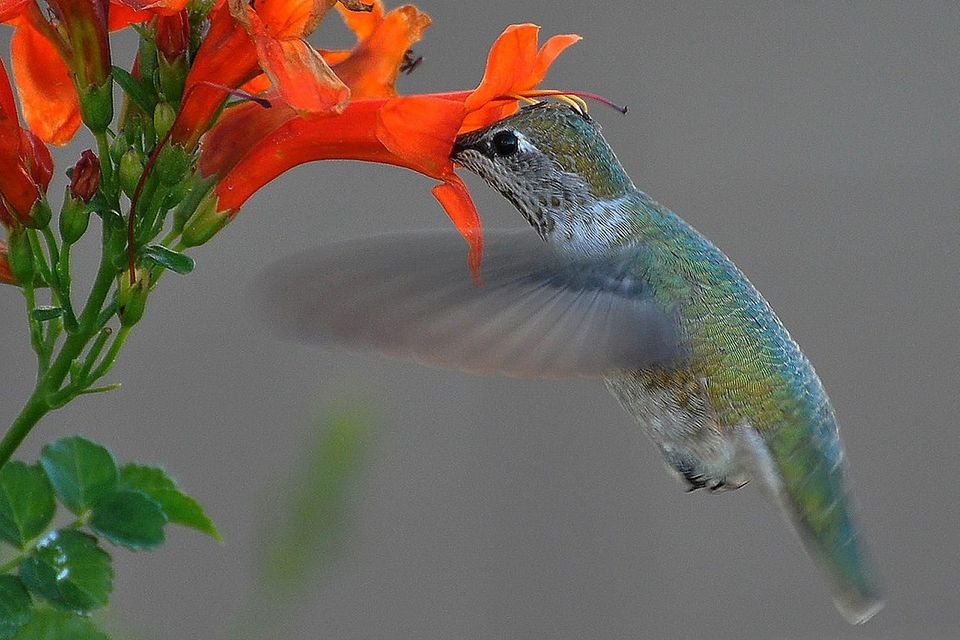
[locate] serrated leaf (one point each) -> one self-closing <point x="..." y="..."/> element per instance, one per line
<point x="48" y="624"/>
<point x="45" y="313"/>
<point x="139" y="93"/>
<point x="15" y="606"/>
<point x="129" y="518"/>
<point x="180" y="508"/>
<point x="70" y="570"/>
<point x="26" y="502"/>
<point x="81" y="471"/>
<point x="168" y="258"/>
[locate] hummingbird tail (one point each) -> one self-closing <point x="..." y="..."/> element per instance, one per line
<point x="806" y="472"/>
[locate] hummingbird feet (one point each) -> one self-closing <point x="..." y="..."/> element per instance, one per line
<point x="698" y="480"/>
<point x="695" y="482"/>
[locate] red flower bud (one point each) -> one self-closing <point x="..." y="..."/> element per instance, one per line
<point x="85" y="176"/>
<point x="173" y="35"/>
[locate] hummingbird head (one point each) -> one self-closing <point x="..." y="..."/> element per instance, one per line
<point x="552" y="163"/>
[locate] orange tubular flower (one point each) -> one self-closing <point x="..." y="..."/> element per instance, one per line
<point x="251" y="146"/>
<point x="244" y="42"/>
<point x="25" y="162"/>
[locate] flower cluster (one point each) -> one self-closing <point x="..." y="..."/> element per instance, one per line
<point x="221" y="97"/>
<point x="180" y="134"/>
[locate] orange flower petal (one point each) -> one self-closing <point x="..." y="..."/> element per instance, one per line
<point x="514" y="66"/>
<point x="456" y="201"/>
<point x="260" y="84"/>
<point x="257" y="150"/>
<point x="9" y="121"/>
<point x="421" y="130"/>
<point x="46" y="90"/>
<point x="511" y="57"/>
<point x="285" y="18"/>
<point x="237" y="131"/>
<point x="226" y="57"/>
<point x="371" y="69"/>
<point x="335" y="56"/>
<point x="298" y="72"/>
<point x="362" y="23"/>
<point x="545" y="57"/>
<point x="488" y="114"/>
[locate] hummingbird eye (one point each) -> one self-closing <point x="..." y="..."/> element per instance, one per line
<point x="505" y="143"/>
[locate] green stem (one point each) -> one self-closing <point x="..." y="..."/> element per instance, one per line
<point x="106" y="166"/>
<point x="111" y="358"/>
<point x="93" y="355"/>
<point x="51" y="246"/>
<point x="41" y="258"/>
<point x="65" y="284"/>
<point x="36" y="331"/>
<point x="38" y="404"/>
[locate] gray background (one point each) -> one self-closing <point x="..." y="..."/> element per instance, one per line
<point x="816" y="143"/>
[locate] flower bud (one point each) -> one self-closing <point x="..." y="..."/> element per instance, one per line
<point x="40" y="214"/>
<point x="173" y="35"/>
<point x="132" y="298"/>
<point x="172" y="164"/>
<point x="129" y="172"/>
<point x="85" y="176"/>
<point x="20" y="255"/>
<point x="74" y="219"/>
<point x="163" y="118"/>
<point x="205" y="223"/>
<point x="119" y="147"/>
<point x="96" y="105"/>
<point x="173" y="76"/>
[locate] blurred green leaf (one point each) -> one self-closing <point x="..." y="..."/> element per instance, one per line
<point x="129" y="518"/>
<point x="180" y="508"/>
<point x="318" y="508"/>
<point x="26" y="502"/>
<point x="70" y="570"/>
<point x="48" y="624"/>
<point x="15" y="606"/>
<point x="81" y="471"/>
<point x="169" y="259"/>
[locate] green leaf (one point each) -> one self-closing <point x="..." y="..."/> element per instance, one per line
<point x="48" y="624"/>
<point x="168" y="258"/>
<point x="81" y="471"/>
<point x="139" y="93"/>
<point x="44" y="313"/>
<point x="15" y="606"/>
<point x="26" y="502"/>
<point x="179" y="507"/>
<point x="69" y="569"/>
<point x="129" y="518"/>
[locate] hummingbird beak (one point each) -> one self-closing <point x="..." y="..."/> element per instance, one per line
<point x="458" y="148"/>
<point x="472" y="141"/>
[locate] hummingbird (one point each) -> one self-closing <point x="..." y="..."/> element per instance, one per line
<point x="611" y="285"/>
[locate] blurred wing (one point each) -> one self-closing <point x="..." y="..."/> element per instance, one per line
<point x="411" y="295"/>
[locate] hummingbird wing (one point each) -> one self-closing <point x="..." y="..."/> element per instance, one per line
<point x="534" y="314"/>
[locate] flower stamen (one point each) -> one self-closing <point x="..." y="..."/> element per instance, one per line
<point x="576" y="99"/>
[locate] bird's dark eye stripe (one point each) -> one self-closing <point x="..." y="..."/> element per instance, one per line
<point x="505" y="143"/>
